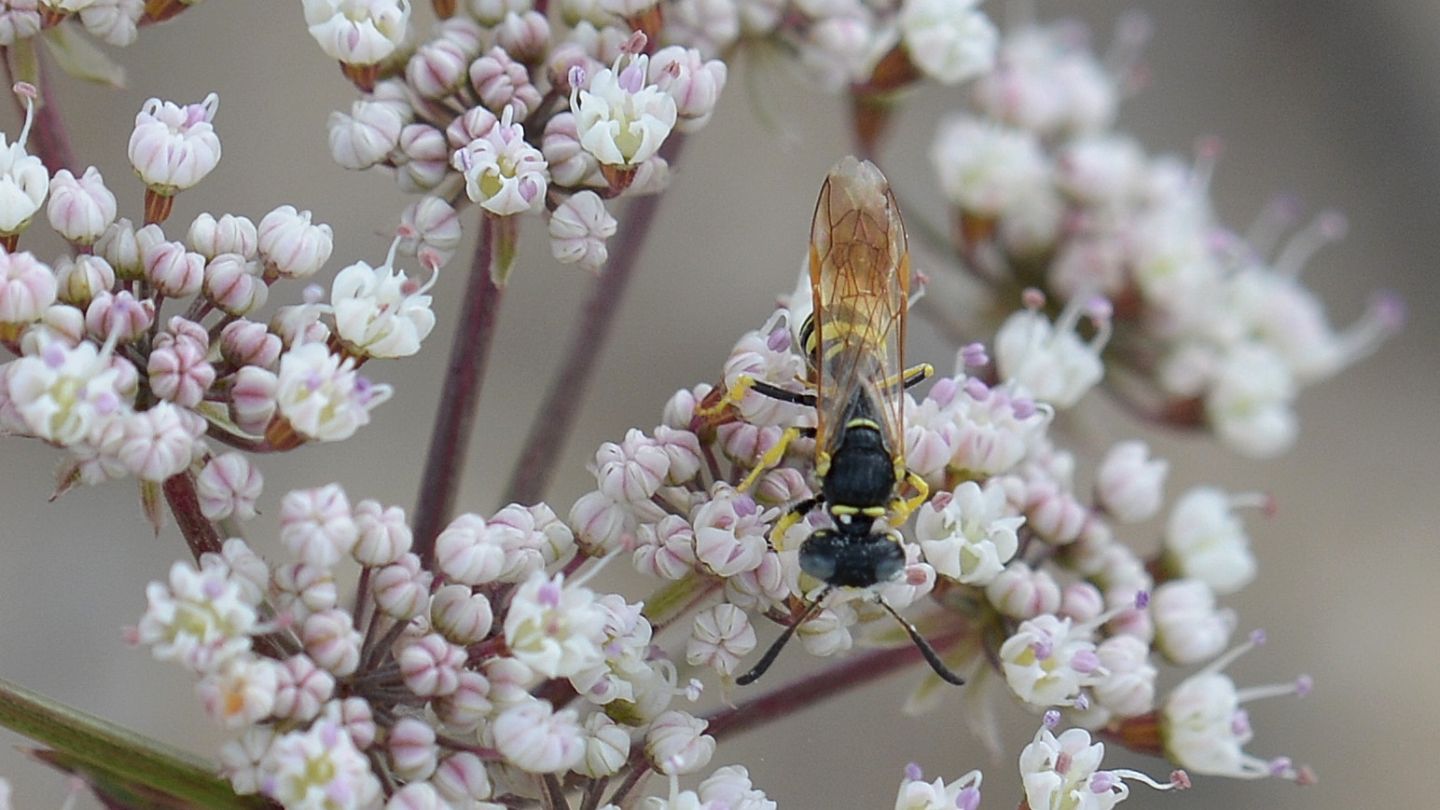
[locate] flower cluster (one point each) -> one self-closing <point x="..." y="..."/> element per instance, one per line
<point x="556" y="108"/>
<point x="129" y="389"/>
<point x="1074" y="619"/>
<point x="487" y="674"/>
<point x="115" y="22"/>
<point x="1210" y="328"/>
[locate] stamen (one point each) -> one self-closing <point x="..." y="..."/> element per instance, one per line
<point x="1278" y="216"/>
<point x="913" y="772"/>
<point x="28" y="92"/>
<point x="1328" y="227"/>
<point x="1051" y="719"/>
<point x="973" y="355"/>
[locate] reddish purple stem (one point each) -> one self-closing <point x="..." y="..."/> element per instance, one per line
<point x="456" y="415"/>
<point x="555" y="418"/>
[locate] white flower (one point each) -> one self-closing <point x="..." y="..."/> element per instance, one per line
<point x="622" y="120"/>
<point x="995" y="428"/>
<point x="379" y="312"/>
<point x="1047" y="662"/>
<point x="1189" y="628"/>
<point x="240" y="759"/>
<point x="1063" y="773"/>
<point x="200" y="619"/>
<point x="64" y="394"/>
<point x="502" y="172"/>
<point x="114" y="21"/>
<point x="579" y="228"/>
<point x="1049" y="361"/>
<point x="985" y="169"/>
<point x="968" y="535"/>
<point x="322" y="396"/>
<point x="358" y="32"/>
<point x="917" y="794"/>
<point x="555" y="630"/>
<point x="320" y="768"/>
<point x="24" y="180"/>
<point x="536" y="738"/>
<point x="1204" y="540"/>
<point x="1249" y="403"/>
<point x="172" y="147"/>
<point x="1129" y="483"/>
<point x="240" y="693"/>
<point x="949" y="40"/>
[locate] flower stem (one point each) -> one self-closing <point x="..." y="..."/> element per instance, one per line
<point x="456" y="416"/>
<point x="200" y="534"/>
<point x="857" y="671"/>
<point x="556" y="416"/>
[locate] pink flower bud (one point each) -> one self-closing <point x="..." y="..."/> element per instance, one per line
<point x="290" y="246"/>
<point x="570" y="165"/>
<point x="422" y="157"/>
<point x="676" y="743"/>
<point x="601" y="523"/>
<point x="467" y="706"/>
<point x="247" y="343"/>
<point x="173" y="147"/>
<point x="782" y="486"/>
<point x="233" y="284"/>
<point x="1055" y="514"/>
<point x="82" y="278"/>
<point x="1189" y="627"/>
<point x="402" y="589"/>
<point x="303" y="689"/>
<point x="525" y="36"/>
<point x="459" y="615"/>
<point x="359" y="721"/>
<point x="118" y="314"/>
<point x="384" y="535"/>
<point x="475" y="123"/>
<point x="501" y="81"/>
<point x="412" y="749"/>
<point x="316" y="525"/>
<point x="579" y="228"/>
<point x="430" y="229"/>
<point x="462" y="778"/>
<point x="179" y="373"/>
<point x="211" y="237"/>
<point x="175" y="272"/>
<point x="332" y="641"/>
<point x="27" y="287"/>
<point x="632" y="471"/>
<point x="1081" y="601"/>
<point x="719" y="638"/>
<point x="120" y="246"/>
<point x="536" y="738"/>
<point x="252" y="398"/>
<point x="1021" y="592"/>
<point x="464" y="553"/>
<point x="80" y="210"/>
<point x="693" y="82"/>
<point x="301" y="590"/>
<point x="680" y="408"/>
<point x="437" y="67"/>
<point x="229" y="486"/>
<point x="1128" y="687"/>
<point x="366" y="136"/>
<point x="431" y="666"/>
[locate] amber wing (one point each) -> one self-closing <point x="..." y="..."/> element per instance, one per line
<point x="860" y="279"/>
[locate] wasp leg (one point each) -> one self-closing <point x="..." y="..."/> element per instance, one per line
<point x="773" y="456"/>
<point x="773" y="392"/>
<point x="915" y="375"/>
<point x="901" y="508"/>
<point x="771" y="654"/>
<point x="744" y="384"/>
<point x="790" y="518"/>
<point x="932" y="657"/>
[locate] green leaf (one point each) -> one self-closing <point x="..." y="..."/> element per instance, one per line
<point x="116" y="761"/>
<point x="78" y="56"/>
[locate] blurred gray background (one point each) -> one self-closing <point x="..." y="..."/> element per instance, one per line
<point x="1335" y="101"/>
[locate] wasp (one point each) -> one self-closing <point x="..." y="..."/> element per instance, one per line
<point x="854" y="342"/>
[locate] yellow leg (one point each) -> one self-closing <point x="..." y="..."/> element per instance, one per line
<point x="733" y="395"/>
<point x="900" y="509"/>
<point x="771" y="458"/>
<point x="911" y="376"/>
<point x="782" y="527"/>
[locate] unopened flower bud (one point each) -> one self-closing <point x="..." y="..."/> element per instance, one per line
<point x="290" y="245"/>
<point x="118" y="314"/>
<point x="467" y="706"/>
<point x="80" y="209"/>
<point x="412" y="749"/>
<point x="579" y="228"/>
<point x="503" y="82"/>
<point x="233" y="285"/>
<point x="229" y="486"/>
<point x="1022" y="592"/>
<point x="1130" y="485"/>
<point x="303" y="689"/>
<point x="211" y="237"/>
<point x="27" y="288"/>
<point x="302" y="589"/>
<point x="120" y="247"/>
<point x="252" y="398"/>
<point x="402" y="589"/>
<point x="180" y="373"/>
<point x="437" y="67"/>
<point x="461" y="616"/>
<point x="570" y="164"/>
<point x="82" y="278"/>
<point x="691" y="80"/>
<point x="422" y="157"/>
<point x="430" y="230"/>
<point x="462" y="777"/>
<point x="525" y="36"/>
<point x="431" y="666"/>
<point x="475" y="122"/>
<point x="676" y="743"/>
<point x="175" y="271"/>
<point x="607" y="745"/>
<point x="332" y="641"/>
<point x="316" y="525"/>
<point x="172" y="147"/>
<point x="384" y="535"/>
<point x="247" y="343"/>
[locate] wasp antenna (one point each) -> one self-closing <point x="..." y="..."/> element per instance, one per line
<point x="925" y="649"/>
<point x="774" y="652"/>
